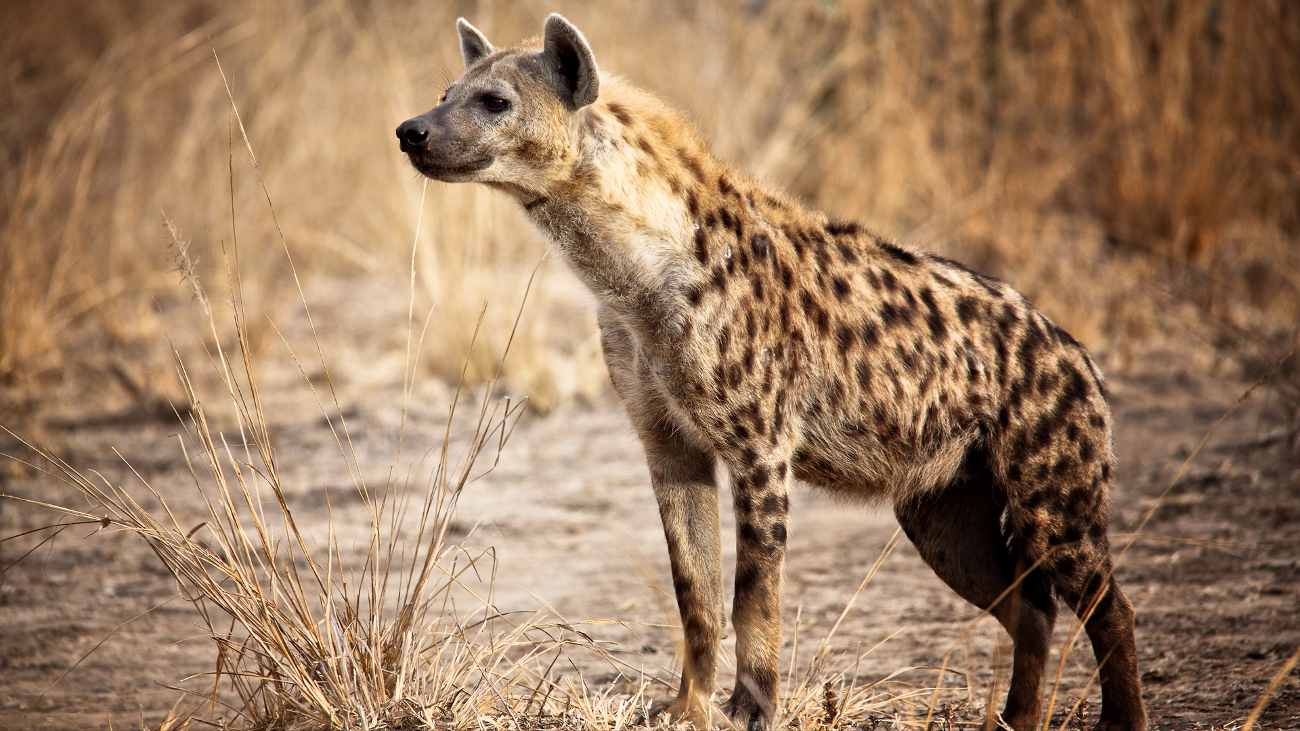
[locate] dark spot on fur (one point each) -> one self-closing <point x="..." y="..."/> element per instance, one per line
<point x="1014" y="474"/>
<point x="842" y="288"/>
<point x="870" y="334"/>
<point x="646" y="147"/>
<point x="691" y="164"/>
<point x="935" y="321"/>
<point x="778" y="534"/>
<point x="797" y="241"/>
<point x="1097" y="529"/>
<point x="892" y="315"/>
<point x="683" y="586"/>
<point x="1062" y="336"/>
<point x="1065" y="563"/>
<point x="1047" y="381"/>
<point x="844" y="336"/>
<point x="1086" y="451"/>
<point x="897" y="253"/>
<point x="1060" y="467"/>
<point x="1078" y="500"/>
<point x="847" y="253"/>
<point x="823" y="257"/>
<point x="719" y="277"/>
<point x="1000" y="350"/>
<point x="694" y="294"/>
<point x="620" y="114"/>
<point x="776" y="504"/>
<point x="748" y="576"/>
<point x="839" y="228"/>
<point x="864" y="374"/>
<point x="1073" y="534"/>
<point x="1030" y="345"/>
<point x="989" y="284"/>
<point x="761" y="245"/>
<point x="888" y="279"/>
<point x="757" y="284"/>
<point x="1042" y="435"/>
<point x="701" y="246"/>
<point x="966" y="310"/>
<point x="724" y="340"/>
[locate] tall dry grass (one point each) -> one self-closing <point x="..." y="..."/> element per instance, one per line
<point x="1134" y="168"/>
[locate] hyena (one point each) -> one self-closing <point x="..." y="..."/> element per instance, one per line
<point x="740" y="326"/>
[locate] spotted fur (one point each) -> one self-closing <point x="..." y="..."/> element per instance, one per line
<point x="739" y="325"/>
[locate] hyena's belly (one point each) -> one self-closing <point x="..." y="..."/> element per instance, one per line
<point x="866" y="464"/>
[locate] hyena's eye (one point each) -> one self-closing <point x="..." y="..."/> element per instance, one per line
<point x="495" y="104"/>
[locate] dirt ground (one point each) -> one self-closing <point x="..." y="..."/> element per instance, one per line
<point x="1215" y="574"/>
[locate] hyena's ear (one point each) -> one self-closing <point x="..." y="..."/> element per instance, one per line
<point x="566" y="53"/>
<point x="473" y="44"/>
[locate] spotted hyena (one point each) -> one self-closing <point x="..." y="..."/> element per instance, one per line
<point x="739" y="325"/>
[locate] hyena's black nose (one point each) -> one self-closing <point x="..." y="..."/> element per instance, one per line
<point x="413" y="133"/>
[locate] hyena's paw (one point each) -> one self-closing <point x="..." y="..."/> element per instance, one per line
<point x="699" y="714"/>
<point x="747" y="713"/>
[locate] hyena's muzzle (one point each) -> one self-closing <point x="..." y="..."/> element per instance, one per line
<point x="437" y="150"/>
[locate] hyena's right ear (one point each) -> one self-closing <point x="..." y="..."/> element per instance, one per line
<point x="473" y="44"/>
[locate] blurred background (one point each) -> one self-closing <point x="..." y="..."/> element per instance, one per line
<point x="1134" y="168"/>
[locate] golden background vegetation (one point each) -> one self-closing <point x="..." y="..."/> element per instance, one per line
<point x="1134" y="168"/>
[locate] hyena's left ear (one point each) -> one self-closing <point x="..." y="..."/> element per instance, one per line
<point x="566" y="53"/>
<point x="473" y="44"/>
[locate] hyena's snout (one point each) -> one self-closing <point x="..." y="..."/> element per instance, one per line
<point x="441" y="150"/>
<point x="413" y="134"/>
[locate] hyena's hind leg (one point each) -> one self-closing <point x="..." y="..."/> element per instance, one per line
<point x="1064" y="522"/>
<point x="1081" y="568"/>
<point x="959" y="532"/>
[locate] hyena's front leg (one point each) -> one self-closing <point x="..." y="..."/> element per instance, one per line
<point x="688" y="504"/>
<point x="761" y="492"/>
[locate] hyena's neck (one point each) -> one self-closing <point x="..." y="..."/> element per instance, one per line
<point x="626" y="217"/>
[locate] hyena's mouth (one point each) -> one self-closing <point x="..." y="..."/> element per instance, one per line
<point x="434" y="168"/>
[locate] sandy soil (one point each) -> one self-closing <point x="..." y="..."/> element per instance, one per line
<point x="1215" y="575"/>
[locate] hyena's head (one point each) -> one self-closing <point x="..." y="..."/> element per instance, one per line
<point x="509" y="119"/>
